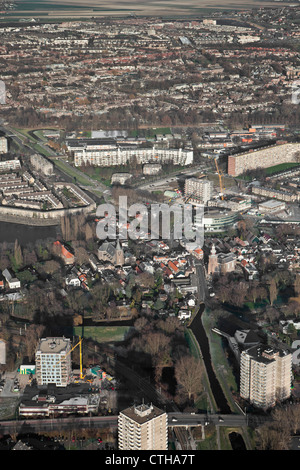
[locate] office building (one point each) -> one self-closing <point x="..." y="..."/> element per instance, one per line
<point x="217" y="220"/>
<point x="265" y="375"/>
<point x="53" y="361"/>
<point x="143" y="427"/>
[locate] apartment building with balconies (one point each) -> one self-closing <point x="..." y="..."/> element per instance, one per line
<point x="265" y="376"/>
<point x="143" y="427"/>
<point x="200" y="190"/>
<point x="123" y="155"/>
<point x="53" y="361"/>
<point x="263" y="158"/>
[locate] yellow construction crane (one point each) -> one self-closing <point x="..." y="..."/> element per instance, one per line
<point x="188" y="198"/>
<point x="80" y="353"/>
<point x="220" y="179"/>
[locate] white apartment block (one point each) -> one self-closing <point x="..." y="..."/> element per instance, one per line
<point x="10" y="165"/>
<point x="2" y="351"/>
<point x="120" y="178"/>
<point x="263" y="158"/>
<point x="265" y="376"/>
<point x="198" y="189"/>
<point x="42" y="164"/>
<point x="3" y="145"/>
<point x="143" y="427"/>
<point x="152" y="169"/>
<point x="116" y="156"/>
<point x="53" y="361"/>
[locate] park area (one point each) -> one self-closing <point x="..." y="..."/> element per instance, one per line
<point x="103" y="334"/>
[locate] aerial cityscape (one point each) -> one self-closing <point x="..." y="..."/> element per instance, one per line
<point x="150" y="227"/>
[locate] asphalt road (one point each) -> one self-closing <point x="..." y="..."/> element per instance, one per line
<point x="95" y="185"/>
<point x="174" y="420"/>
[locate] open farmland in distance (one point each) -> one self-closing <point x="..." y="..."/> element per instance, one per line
<point x="98" y="8"/>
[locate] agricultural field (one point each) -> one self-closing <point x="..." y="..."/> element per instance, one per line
<point x="80" y="9"/>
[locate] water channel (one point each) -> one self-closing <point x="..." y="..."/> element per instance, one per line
<point x="29" y="234"/>
<point x="25" y="234"/>
<point x="200" y="335"/>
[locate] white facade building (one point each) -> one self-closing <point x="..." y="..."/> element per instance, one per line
<point x="2" y="351"/>
<point x="14" y="164"/>
<point x="198" y="189"/>
<point x="53" y="361"/>
<point x="3" y="145"/>
<point x="143" y="427"/>
<point x="265" y="376"/>
<point x="116" y="156"/>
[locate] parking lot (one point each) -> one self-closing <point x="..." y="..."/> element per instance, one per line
<point x="12" y="384"/>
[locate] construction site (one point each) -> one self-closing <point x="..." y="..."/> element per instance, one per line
<point x="52" y="387"/>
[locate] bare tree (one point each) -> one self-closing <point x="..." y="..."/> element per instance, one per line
<point x="273" y="291"/>
<point x="276" y="435"/>
<point x="297" y="285"/>
<point x="33" y="334"/>
<point x="189" y="373"/>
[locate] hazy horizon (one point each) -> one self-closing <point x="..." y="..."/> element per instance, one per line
<point x="141" y="7"/>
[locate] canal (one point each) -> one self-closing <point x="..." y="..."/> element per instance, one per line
<point x="26" y="234"/>
<point x="200" y="335"/>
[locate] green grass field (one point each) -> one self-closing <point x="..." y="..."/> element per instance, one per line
<point x="281" y="167"/>
<point x="151" y="132"/>
<point x="103" y="334"/>
<point x="69" y="171"/>
<point x="272" y="170"/>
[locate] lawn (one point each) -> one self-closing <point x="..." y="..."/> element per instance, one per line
<point x="33" y="142"/>
<point x="151" y="132"/>
<point x="103" y="334"/>
<point x="69" y="171"/>
<point x="281" y="167"/>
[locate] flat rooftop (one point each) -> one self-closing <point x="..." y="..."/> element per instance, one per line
<point x="142" y="413"/>
<point x="53" y="345"/>
<point x="271" y="203"/>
